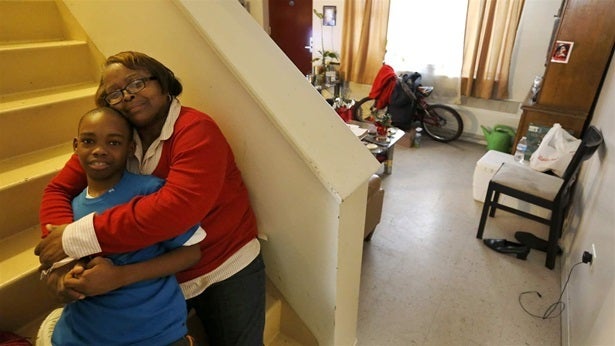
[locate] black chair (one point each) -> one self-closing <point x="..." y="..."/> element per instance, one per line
<point x="542" y="189"/>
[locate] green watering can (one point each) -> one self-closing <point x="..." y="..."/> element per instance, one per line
<point x="500" y="138"/>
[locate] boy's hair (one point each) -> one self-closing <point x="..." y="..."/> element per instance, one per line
<point x="140" y="61"/>
<point x="110" y="111"/>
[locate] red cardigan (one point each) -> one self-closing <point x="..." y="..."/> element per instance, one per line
<point x="383" y="86"/>
<point x="203" y="184"/>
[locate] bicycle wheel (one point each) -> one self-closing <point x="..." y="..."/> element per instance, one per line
<point x="363" y="109"/>
<point x="442" y="123"/>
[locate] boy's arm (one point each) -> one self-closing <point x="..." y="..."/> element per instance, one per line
<point x="101" y="276"/>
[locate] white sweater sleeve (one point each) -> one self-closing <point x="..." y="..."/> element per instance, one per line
<point x="79" y="238"/>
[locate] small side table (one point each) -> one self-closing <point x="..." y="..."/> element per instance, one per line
<point x="386" y="149"/>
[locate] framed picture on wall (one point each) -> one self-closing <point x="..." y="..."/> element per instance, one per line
<point x="561" y="51"/>
<point x="329" y="14"/>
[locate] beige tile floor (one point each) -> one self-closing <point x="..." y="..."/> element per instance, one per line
<point x="427" y="280"/>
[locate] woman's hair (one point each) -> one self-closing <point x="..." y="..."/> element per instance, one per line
<point x="139" y="61"/>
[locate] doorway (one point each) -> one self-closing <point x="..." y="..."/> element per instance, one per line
<point x="291" y="29"/>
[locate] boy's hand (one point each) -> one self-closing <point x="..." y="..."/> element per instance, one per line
<point x="99" y="276"/>
<point x="76" y="272"/>
<point x="50" y="249"/>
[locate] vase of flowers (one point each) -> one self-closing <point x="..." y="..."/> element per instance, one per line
<point x="383" y="123"/>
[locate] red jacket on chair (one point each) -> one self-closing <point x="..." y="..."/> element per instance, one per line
<point x="383" y="86"/>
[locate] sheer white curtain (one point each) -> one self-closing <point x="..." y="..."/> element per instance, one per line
<point x="428" y="37"/>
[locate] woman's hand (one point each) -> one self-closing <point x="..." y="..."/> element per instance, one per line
<point x="50" y="249"/>
<point x="55" y="283"/>
<point x="97" y="277"/>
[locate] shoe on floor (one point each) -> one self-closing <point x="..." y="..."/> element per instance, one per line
<point x="508" y="247"/>
<point x="533" y="242"/>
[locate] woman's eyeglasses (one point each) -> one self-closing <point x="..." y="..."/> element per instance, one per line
<point x="133" y="87"/>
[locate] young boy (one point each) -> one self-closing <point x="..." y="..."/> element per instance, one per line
<point x="151" y="312"/>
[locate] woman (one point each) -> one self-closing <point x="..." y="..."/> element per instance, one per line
<point x="203" y="184"/>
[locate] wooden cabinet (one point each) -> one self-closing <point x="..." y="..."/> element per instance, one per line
<point x="569" y="90"/>
<point x="547" y="116"/>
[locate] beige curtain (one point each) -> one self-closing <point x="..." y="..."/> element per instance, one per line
<point x="491" y="28"/>
<point x="363" y="39"/>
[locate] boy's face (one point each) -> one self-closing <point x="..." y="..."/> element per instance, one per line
<point x="103" y="145"/>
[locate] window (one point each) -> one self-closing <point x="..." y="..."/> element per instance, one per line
<point x="427" y="37"/>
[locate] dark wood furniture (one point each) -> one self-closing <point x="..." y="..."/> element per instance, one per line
<point x="570" y="90"/>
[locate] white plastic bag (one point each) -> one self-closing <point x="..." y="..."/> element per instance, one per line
<point x="555" y="151"/>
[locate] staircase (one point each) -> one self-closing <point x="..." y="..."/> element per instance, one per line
<point x="49" y="77"/>
<point x="49" y="73"/>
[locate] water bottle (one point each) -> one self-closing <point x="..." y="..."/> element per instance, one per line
<point x="521" y="148"/>
<point x="417" y="137"/>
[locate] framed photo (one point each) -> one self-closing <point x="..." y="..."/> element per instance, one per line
<point x="561" y="51"/>
<point x="329" y="14"/>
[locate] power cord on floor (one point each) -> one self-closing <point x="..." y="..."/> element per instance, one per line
<point x="551" y="309"/>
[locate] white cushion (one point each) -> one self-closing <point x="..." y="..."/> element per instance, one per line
<point x="527" y="180"/>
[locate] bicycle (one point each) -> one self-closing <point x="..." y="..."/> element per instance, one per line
<point x="408" y="106"/>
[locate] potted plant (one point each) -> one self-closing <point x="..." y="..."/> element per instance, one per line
<point x="326" y="56"/>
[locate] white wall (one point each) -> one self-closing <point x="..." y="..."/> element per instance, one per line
<point x="305" y="171"/>
<point x="259" y="10"/>
<point x="331" y="35"/>
<point x="589" y="318"/>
